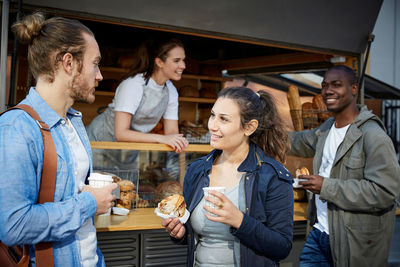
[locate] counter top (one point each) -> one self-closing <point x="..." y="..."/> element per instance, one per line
<point x="146" y="219"/>
<point x="137" y="219"/>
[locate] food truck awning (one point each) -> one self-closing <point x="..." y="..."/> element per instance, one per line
<point x="339" y="26"/>
<point x="287" y="35"/>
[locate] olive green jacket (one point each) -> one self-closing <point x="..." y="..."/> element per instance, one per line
<point x="362" y="190"/>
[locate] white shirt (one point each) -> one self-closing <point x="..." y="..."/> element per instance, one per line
<point x="129" y="94"/>
<point x="86" y="235"/>
<point x="334" y="139"/>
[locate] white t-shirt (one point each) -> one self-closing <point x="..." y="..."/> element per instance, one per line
<point x="334" y="139"/>
<point x="86" y="235"/>
<point x="130" y="91"/>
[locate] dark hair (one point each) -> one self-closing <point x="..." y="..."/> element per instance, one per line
<point x="49" y="40"/>
<point x="147" y="52"/>
<point x="270" y="134"/>
<point x="349" y="73"/>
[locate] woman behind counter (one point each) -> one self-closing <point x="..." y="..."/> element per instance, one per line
<point x="253" y="225"/>
<point x="140" y="102"/>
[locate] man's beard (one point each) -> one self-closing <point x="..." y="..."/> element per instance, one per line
<point x="80" y="90"/>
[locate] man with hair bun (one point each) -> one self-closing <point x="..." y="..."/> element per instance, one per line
<point x="356" y="183"/>
<point x="64" y="59"/>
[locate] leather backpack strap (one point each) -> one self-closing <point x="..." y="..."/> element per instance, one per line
<point x="44" y="250"/>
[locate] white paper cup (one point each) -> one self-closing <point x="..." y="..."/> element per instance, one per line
<point x="212" y="188"/>
<point x="296" y="182"/>
<point x="98" y="180"/>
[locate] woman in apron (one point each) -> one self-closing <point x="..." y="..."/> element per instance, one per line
<point x="140" y="102"/>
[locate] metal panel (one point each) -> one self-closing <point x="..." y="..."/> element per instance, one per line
<point x="157" y="249"/>
<point x="119" y="248"/>
<point x="337" y="26"/>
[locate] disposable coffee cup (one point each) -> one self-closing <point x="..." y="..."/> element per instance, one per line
<point x="206" y="191"/>
<point x="296" y="182"/>
<point x="99" y="180"/>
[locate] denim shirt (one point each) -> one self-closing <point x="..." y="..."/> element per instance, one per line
<point x="266" y="233"/>
<point x="22" y="221"/>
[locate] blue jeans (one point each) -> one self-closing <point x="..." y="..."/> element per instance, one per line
<point x="317" y="250"/>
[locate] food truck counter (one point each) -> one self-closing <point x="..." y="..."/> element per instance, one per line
<point x="146" y="219"/>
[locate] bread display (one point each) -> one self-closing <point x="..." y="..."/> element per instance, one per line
<point x="127" y="194"/>
<point x="174" y="204"/>
<point x="302" y="171"/>
<point x="126" y="185"/>
<point x="166" y="189"/>
<point x="310" y="115"/>
<point x="319" y="104"/>
<point x="295" y="108"/>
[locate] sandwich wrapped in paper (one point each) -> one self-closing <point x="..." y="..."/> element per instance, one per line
<point x="173" y="206"/>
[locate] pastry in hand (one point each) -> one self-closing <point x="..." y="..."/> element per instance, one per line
<point x="173" y="204"/>
<point x="302" y="171"/>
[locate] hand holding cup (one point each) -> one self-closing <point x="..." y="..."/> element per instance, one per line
<point x="222" y="210"/>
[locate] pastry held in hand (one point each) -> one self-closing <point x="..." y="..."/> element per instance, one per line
<point x="300" y="171"/>
<point x="173" y="206"/>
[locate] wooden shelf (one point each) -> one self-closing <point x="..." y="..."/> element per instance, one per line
<point x="114" y="69"/>
<point x="145" y="218"/>
<point x="197" y="100"/>
<point x="181" y="99"/>
<point x="201" y="148"/>
<point x="203" y="77"/>
<point x="184" y="76"/>
<point x="104" y="93"/>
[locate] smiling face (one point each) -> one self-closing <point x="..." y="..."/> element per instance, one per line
<point x="225" y="126"/>
<point x="173" y="65"/>
<point x="85" y="81"/>
<point x="338" y="92"/>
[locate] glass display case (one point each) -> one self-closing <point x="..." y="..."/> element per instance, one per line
<point x="155" y="170"/>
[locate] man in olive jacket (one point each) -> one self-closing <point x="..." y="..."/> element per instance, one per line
<point x="356" y="182"/>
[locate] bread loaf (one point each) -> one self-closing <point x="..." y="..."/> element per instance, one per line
<point x="127" y="194"/>
<point x="125" y="185"/>
<point x="318" y="103"/>
<point x="295" y="108"/>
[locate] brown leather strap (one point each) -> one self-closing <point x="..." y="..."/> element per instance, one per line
<point x="44" y="250"/>
<point x="49" y="172"/>
<point x="24" y="261"/>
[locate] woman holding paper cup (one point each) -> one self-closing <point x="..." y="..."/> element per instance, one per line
<point x="251" y="223"/>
